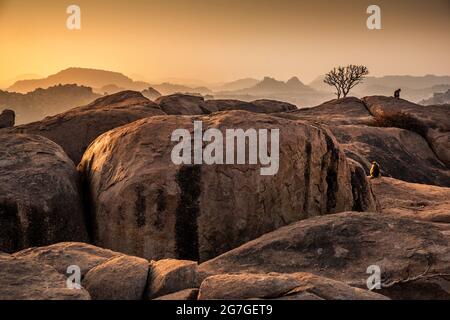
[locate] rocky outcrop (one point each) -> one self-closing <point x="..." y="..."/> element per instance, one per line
<point x="119" y="278"/>
<point x="39" y="194"/>
<point x="410" y="254"/>
<point x="151" y="93"/>
<point x="402" y="154"/>
<point x="62" y="255"/>
<point x="273" y="106"/>
<point x="7" y="119"/>
<point x="258" y="106"/>
<point x="144" y="205"/>
<point x="229" y="104"/>
<point x="170" y="276"/>
<point x="26" y="279"/>
<point x="432" y="122"/>
<point x="343" y="111"/>
<point x="298" y="286"/>
<point x="181" y="104"/>
<point x="75" y="129"/>
<point x="416" y="201"/>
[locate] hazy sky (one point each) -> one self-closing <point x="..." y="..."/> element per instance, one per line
<point x="220" y="40"/>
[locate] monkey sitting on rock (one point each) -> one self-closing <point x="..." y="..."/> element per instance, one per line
<point x="375" y="171"/>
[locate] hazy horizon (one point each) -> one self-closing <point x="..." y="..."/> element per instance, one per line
<point x="219" y="41"/>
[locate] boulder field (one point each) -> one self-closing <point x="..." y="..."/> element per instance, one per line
<point x="413" y="256"/>
<point x="409" y="141"/>
<point x="40" y="274"/>
<point x="96" y="188"/>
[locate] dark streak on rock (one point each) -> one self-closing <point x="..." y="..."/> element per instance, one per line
<point x="141" y="206"/>
<point x="10" y="233"/>
<point x="333" y="162"/>
<point x="359" y="189"/>
<point x="307" y="175"/>
<point x="186" y="233"/>
<point x="161" y="205"/>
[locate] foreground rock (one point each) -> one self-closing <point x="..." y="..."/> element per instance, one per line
<point x="75" y="129"/>
<point x="170" y="276"/>
<point x="39" y="194"/>
<point x="144" y="205"/>
<point x="297" y="286"/>
<point x="402" y="154"/>
<point x="411" y="254"/>
<point x="7" y="119"/>
<point x="26" y="279"/>
<point x="417" y="201"/>
<point x="186" y="294"/>
<point x="62" y="255"/>
<point x="119" y="278"/>
<point x="432" y="122"/>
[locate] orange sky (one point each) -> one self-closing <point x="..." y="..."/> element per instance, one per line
<point x="221" y="40"/>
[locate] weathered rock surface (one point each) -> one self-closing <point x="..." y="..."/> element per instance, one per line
<point x="273" y="106"/>
<point x="186" y="294"/>
<point x="75" y="129"/>
<point x="363" y="195"/>
<point x="39" y="194"/>
<point x="411" y="254"/>
<point x="62" y="255"/>
<point x="258" y="106"/>
<point x="417" y="201"/>
<point x="7" y="118"/>
<point x="433" y="121"/>
<point x="144" y="205"/>
<point x="343" y="111"/>
<point x="181" y="104"/>
<point x="119" y="278"/>
<point x="402" y="154"/>
<point x="26" y="279"/>
<point x="169" y="276"/>
<point x="276" y="286"/>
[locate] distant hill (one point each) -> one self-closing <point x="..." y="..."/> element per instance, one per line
<point x="414" y="88"/>
<point x="437" y="98"/>
<point x="270" y="86"/>
<point x="40" y="103"/>
<point x="93" y="78"/>
<point x="171" y="88"/>
<point x="237" y="85"/>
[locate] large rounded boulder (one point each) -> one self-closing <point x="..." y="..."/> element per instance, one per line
<point x="39" y="194"/>
<point x="145" y="205"/>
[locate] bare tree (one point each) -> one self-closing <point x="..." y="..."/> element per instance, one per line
<point x="345" y="78"/>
